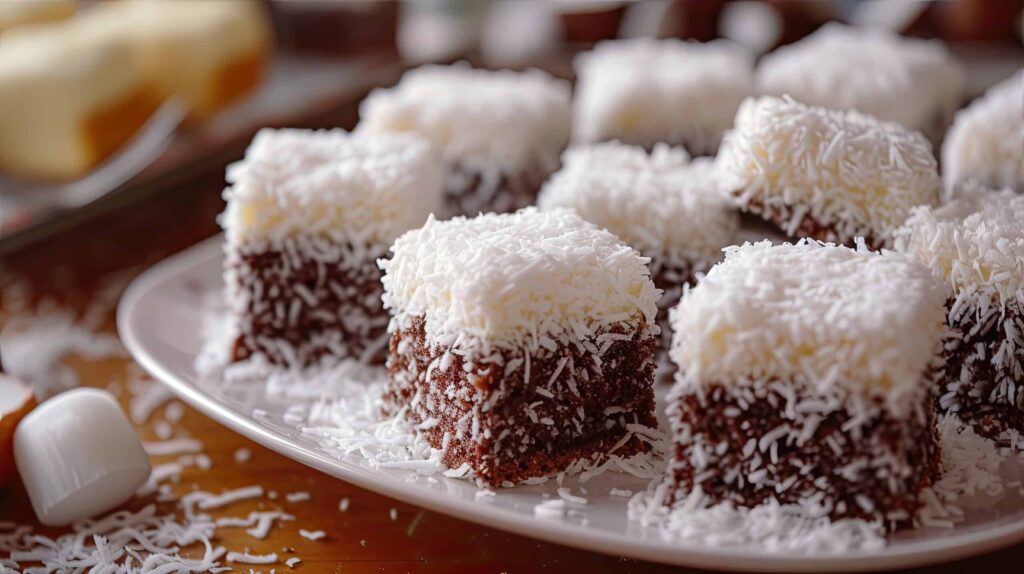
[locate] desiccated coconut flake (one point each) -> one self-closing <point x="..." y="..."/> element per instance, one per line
<point x="246" y="558"/>
<point x="172" y="447"/>
<point x="146" y="397"/>
<point x="312" y="535"/>
<point x="242" y="455"/>
<point x="208" y="501"/>
<point x="301" y="496"/>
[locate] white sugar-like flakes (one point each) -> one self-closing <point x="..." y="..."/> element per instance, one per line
<point x="507" y="280"/>
<point x="848" y="171"/>
<point x="913" y="82"/>
<point x="163" y="430"/>
<point x="557" y="508"/>
<point x="986" y="142"/>
<point x="247" y="558"/>
<point x="174" y="412"/>
<point x="208" y="501"/>
<point x="484" y="119"/>
<point x="346" y="420"/>
<point x="567" y="495"/>
<point x="146" y="397"/>
<point x="35" y="344"/>
<point x="242" y="455"/>
<point x="301" y="496"/>
<point x="118" y="542"/>
<point x="173" y="446"/>
<point x="661" y="203"/>
<point x="970" y="468"/>
<point x="975" y="243"/>
<point x="645" y="91"/>
<point x="353" y="188"/>
<point x="811" y="313"/>
<point x="771" y="527"/>
<point x="312" y="535"/>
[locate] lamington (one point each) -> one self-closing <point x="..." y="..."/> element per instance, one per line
<point x="807" y="376"/>
<point x="824" y="174"/>
<point x="308" y="215"/>
<point x="645" y="91"/>
<point x="986" y="142"/>
<point x="913" y="82"/>
<point x="662" y="204"/>
<point x="976" y="245"/>
<point x="500" y="133"/>
<point x="522" y="345"/>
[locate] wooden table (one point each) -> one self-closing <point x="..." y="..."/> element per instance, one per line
<point x="70" y="268"/>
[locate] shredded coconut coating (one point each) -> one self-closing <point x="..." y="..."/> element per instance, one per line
<point x="352" y="188"/>
<point x="645" y="91"/>
<point x="484" y="119"/>
<point x="986" y="142"/>
<point x="913" y="82"/>
<point x="974" y="243"/>
<point x="513" y="280"/>
<point x="661" y="203"/>
<point x="811" y="314"/>
<point x="848" y="171"/>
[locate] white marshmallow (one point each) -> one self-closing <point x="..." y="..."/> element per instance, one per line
<point x="78" y="456"/>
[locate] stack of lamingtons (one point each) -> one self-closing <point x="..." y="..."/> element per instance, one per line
<point x="520" y="340"/>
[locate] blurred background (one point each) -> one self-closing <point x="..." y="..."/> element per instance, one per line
<point x="119" y="117"/>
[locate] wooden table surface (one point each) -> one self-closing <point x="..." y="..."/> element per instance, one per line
<point x="73" y="269"/>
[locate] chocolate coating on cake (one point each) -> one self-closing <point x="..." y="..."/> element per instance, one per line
<point x="470" y="191"/>
<point x="522" y="417"/>
<point x="984" y="392"/>
<point x="757" y="449"/>
<point x="298" y="305"/>
<point x="809" y="226"/>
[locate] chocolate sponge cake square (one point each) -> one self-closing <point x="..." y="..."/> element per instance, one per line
<point x="308" y="215"/>
<point x="975" y="244"/>
<point x="663" y="204"/>
<point x="825" y="174"/>
<point x="522" y="345"/>
<point x="499" y="132"/>
<point x="807" y="376"/>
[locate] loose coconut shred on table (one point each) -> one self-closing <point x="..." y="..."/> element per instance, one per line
<point x="160" y="533"/>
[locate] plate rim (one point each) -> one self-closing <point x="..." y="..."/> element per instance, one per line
<point x="555" y="531"/>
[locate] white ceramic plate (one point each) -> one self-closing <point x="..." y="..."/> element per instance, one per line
<point x="160" y="321"/>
